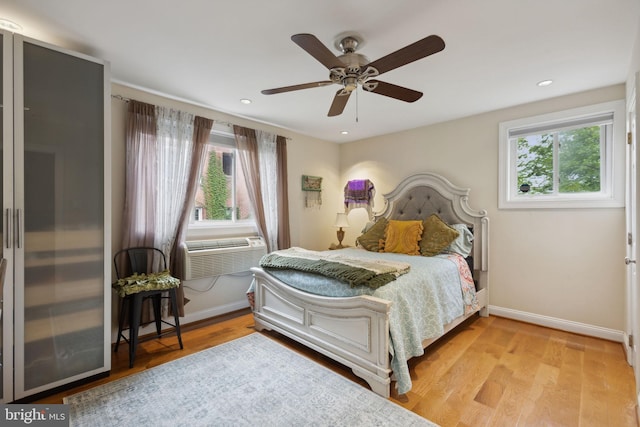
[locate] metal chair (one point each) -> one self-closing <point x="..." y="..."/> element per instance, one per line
<point x="142" y="274"/>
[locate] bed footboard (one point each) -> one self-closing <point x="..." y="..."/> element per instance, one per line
<point x="353" y="331"/>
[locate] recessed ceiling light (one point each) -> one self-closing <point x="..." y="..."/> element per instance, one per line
<point x="9" y="25"/>
<point x="245" y="101"/>
<point x="345" y="132"/>
<point x="544" y="83"/>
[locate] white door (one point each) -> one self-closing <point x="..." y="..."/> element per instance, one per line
<point x="633" y="285"/>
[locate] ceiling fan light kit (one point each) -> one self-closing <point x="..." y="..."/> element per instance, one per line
<point x="352" y="69"/>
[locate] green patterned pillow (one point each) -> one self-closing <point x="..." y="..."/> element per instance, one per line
<point x="437" y="236"/>
<point x="145" y="282"/>
<point x="370" y="239"/>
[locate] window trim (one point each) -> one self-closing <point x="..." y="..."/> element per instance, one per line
<point x="612" y="194"/>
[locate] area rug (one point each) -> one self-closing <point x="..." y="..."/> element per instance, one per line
<point x="249" y="381"/>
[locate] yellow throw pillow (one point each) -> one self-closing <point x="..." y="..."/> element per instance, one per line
<point x="403" y="237"/>
<point x="370" y="240"/>
<point x="437" y="236"/>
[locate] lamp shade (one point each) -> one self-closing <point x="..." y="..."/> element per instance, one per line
<point x="342" y="220"/>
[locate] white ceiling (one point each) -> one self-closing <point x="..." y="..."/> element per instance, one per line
<point x="214" y="53"/>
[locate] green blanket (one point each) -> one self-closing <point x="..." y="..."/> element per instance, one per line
<point x="350" y="270"/>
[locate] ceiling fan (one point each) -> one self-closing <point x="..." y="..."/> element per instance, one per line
<point x="352" y="69"/>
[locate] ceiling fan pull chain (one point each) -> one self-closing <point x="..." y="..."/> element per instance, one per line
<point x="357" y="105"/>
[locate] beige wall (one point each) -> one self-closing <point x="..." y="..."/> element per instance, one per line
<point x="565" y="264"/>
<point x="634" y="68"/>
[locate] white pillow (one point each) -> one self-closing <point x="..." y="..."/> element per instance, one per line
<point x="463" y="243"/>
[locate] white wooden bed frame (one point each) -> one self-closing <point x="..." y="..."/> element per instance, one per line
<point x="355" y="330"/>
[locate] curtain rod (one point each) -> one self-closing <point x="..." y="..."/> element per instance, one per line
<point x="120" y="98"/>
<point x="123" y="99"/>
<point x="220" y="122"/>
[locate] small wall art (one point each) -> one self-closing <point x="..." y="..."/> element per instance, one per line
<point x="311" y="183"/>
<point x="312" y="186"/>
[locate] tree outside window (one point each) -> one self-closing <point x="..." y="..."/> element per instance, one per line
<point x="565" y="159"/>
<point x="215" y="188"/>
<point x="577" y="154"/>
<point x="222" y="194"/>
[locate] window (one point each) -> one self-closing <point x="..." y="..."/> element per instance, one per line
<point x="568" y="159"/>
<point x="222" y="199"/>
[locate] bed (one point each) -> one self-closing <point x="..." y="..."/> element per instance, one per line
<point x="363" y="331"/>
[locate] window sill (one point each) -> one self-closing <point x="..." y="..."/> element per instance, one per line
<point x="209" y="231"/>
<point x="560" y="203"/>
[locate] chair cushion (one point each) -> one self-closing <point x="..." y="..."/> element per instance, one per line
<point x="145" y="282"/>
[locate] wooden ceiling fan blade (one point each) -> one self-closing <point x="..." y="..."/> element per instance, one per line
<point x="392" y="91"/>
<point x="315" y="48"/>
<point x="296" y="87"/>
<point x="339" y="102"/>
<point x="418" y="50"/>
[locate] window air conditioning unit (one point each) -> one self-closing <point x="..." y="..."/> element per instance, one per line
<point x="209" y="258"/>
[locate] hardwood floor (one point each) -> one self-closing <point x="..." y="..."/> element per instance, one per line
<point x="489" y="372"/>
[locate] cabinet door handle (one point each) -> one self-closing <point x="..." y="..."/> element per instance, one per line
<point x="9" y="229"/>
<point x="19" y="228"/>
<point x="629" y="261"/>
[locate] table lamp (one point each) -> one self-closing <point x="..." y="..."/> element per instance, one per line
<point x="341" y="222"/>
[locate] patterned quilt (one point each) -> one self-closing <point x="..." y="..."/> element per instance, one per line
<point x="433" y="293"/>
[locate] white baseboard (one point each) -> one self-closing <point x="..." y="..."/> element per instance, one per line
<point x="189" y="318"/>
<point x="628" y="354"/>
<point x="561" y="324"/>
<point x="213" y="312"/>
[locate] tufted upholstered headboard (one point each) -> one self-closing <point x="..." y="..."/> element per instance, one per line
<point x="420" y="195"/>
<point x="418" y="203"/>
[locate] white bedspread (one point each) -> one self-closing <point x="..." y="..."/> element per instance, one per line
<point x="423" y="300"/>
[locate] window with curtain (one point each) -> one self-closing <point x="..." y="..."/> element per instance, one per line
<point x="187" y="178"/>
<point x="222" y="200"/>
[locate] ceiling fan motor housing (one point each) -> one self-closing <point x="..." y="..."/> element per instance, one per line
<point x="351" y="74"/>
